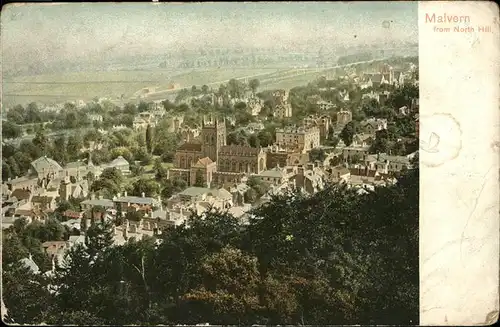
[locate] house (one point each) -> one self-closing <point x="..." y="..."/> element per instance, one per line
<point x="55" y="249"/>
<point x="280" y="96"/>
<point x="253" y="128"/>
<point x="139" y="123"/>
<point x="76" y="190"/>
<point x="121" y="164"/>
<point x="322" y="122"/>
<point x="372" y="125"/>
<point x="124" y="203"/>
<point x="220" y="197"/>
<point x="72" y="224"/>
<point x="274" y="176"/>
<point x="349" y="153"/>
<point x="388" y="164"/>
<point x="398" y="78"/>
<point x="325" y="106"/>
<point x="309" y="179"/>
<point x="301" y="138"/>
<point x="29" y="214"/>
<point x="339" y="174"/>
<point x="24" y="182"/>
<point x="283" y="110"/>
<point x="362" y="140"/>
<point x="43" y="202"/>
<point x="343" y="117"/>
<point x="101" y="202"/>
<point x="254" y="106"/>
<point x="45" y="168"/>
<point x="75" y="240"/>
<point x="30" y="264"/>
<point x="238" y="193"/>
<point x="20" y="197"/>
<point x="73" y="214"/>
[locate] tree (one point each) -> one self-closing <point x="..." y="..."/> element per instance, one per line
<point x="204" y="89"/>
<point x="240" y="106"/>
<point x="17" y="115"/>
<point x="147" y="186"/>
<point x="173" y="186"/>
<point x="73" y="145"/>
<point x="22" y="292"/>
<point x="199" y="181"/>
<point x="355" y="159"/>
<point x="142" y="107"/>
<point x="347" y="133"/>
<point x="10" y="130"/>
<point x="41" y="141"/>
<point x="110" y="180"/>
<point x="161" y="173"/>
<point x="317" y="155"/>
<point x="149" y="139"/>
<point x="250" y="196"/>
<point x="229" y="292"/>
<point x="15" y="170"/>
<point x="254" y="84"/>
<point x="130" y="109"/>
<point x="6" y="171"/>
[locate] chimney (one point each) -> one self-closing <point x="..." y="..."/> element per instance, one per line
<point x="125" y="194"/>
<point x="142" y="194"/>
<point x="92" y="196"/>
<point x="119" y="195"/>
<point x="101" y="197"/>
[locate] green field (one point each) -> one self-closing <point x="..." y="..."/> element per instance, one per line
<point x="87" y="85"/>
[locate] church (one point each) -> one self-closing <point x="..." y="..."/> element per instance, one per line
<point x="209" y="161"/>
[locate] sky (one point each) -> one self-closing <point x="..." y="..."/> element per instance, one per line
<point x="51" y="32"/>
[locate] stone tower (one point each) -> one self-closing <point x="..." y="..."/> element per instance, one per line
<point x="213" y="137"/>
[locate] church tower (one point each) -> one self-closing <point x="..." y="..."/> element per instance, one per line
<point x="213" y="137"/>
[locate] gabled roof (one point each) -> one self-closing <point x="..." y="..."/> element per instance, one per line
<point x="45" y="163"/>
<point x="20" y="194"/>
<point x="75" y="164"/>
<point x="203" y="162"/>
<point x="30" y="264"/>
<point x="41" y="198"/>
<point x="221" y="193"/>
<point x="194" y="191"/>
<point x="195" y="147"/>
<point x="274" y="173"/>
<point x="99" y="202"/>
<point x="135" y="200"/>
<point x="119" y="161"/>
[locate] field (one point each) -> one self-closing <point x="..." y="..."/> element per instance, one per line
<point x="56" y="88"/>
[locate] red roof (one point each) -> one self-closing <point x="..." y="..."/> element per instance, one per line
<point x="72" y="214"/>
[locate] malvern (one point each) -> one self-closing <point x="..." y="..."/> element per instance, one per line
<point x="446" y="19"/>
